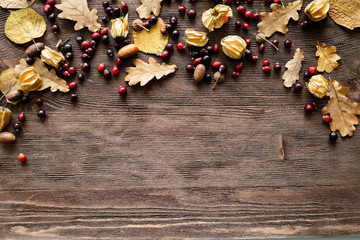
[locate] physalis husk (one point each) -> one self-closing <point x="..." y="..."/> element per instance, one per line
<point x="24" y="25"/>
<point x="195" y="38"/>
<point x="120" y="27"/>
<point x="52" y="57"/>
<point x="216" y="17"/>
<point x="5" y="115"/>
<point x="317" y="10"/>
<point x="233" y="46"/>
<point x="29" y="80"/>
<point x="318" y="86"/>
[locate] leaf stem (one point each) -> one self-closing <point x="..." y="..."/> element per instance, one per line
<point x="269" y="43"/>
<point x="142" y="27"/>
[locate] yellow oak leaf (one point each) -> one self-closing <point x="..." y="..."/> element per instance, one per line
<point x="78" y="11"/>
<point x="153" y="41"/>
<point x="49" y="78"/>
<point x="5" y="115"/>
<point x="16" y="4"/>
<point x="24" y="25"/>
<point x="293" y="68"/>
<point x="342" y="110"/>
<point x="327" y="58"/>
<point x="144" y="72"/>
<point x="147" y="7"/>
<point x="277" y="20"/>
<point x="345" y="13"/>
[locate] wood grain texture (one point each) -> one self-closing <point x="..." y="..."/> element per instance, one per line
<point x="178" y="160"/>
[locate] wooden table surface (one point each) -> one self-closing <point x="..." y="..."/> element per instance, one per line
<point x="175" y="159"/>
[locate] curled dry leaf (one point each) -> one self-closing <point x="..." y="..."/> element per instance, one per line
<point x="49" y="78"/>
<point x="152" y="42"/>
<point x="277" y="20"/>
<point x="144" y="72"/>
<point x="16" y="4"/>
<point x="345" y="13"/>
<point x="327" y="58"/>
<point x="293" y="68"/>
<point x="5" y="115"/>
<point x="147" y="7"/>
<point x="24" y="25"/>
<point x="342" y="110"/>
<point x="8" y="82"/>
<point x="78" y="11"/>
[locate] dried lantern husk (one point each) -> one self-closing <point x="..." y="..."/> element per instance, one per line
<point x="317" y="10"/>
<point x="5" y="115"/>
<point x="216" y="17"/>
<point x="195" y="38"/>
<point x="233" y="46"/>
<point x="318" y="86"/>
<point x="120" y="27"/>
<point x="29" y="80"/>
<point x="52" y="57"/>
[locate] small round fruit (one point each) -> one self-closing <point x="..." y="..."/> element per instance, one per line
<point x="122" y="90"/>
<point x="115" y="70"/>
<point x="72" y="85"/>
<point x="241" y="9"/>
<point x="266" y="62"/>
<point x="164" y="55"/>
<point x="327" y="118"/>
<point x="277" y="67"/>
<point x="297" y="87"/>
<point x="22" y="158"/>
<point x="107" y="73"/>
<point x="288" y="43"/>
<point x="266" y="69"/>
<point x="191" y="13"/>
<point x="312" y="70"/>
<point x="239" y="67"/>
<point x="73" y="97"/>
<point x="309" y="108"/>
<point x="333" y="136"/>
<point x="55" y="28"/>
<point x="182" y="9"/>
<point x="21" y="117"/>
<point x="39" y="101"/>
<point x="180" y="46"/>
<point x="41" y="113"/>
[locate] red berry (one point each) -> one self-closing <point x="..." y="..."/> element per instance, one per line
<point x="239" y="67"/>
<point x="241" y="9"/>
<point x="66" y="73"/>
<point x="163" y="31"/>
<point x="182" y="9"/>
<point x="314" y="104"/>
<point x="190" y="67"/>
<point x="104" y="31"/>
<point x="101" y="67"/>
<point x="261" y="48"/>
<point x="51" y="2"/>
<point x="118" y="62"/>
<point x="66" y="65"/>
<point x="305" y="24"/>
<point x="84" y="45"/>
<point x="248" y="42"/>
<point x="216" y="64"/>
<point x="72" y="70"/>
<point x="72" y="85"/>
<point x="235" y="74"/>
<point x="256" y="16"/>
<point x="21" y="117"/>
<point x="228" y="2"/>
<point x="95" y="36"/>
<point x="246" y="26"/>
<point x="164" y="54"/>
<point x="115" y="70"/>
<point x="312" y="70"/>
<point x="47" y="9"/>
<point x="122" y="90"/>
<point x="197" y="61"/>
<point x="39" y="101"/>
<point x="89" y="50"/>
<point x="22" y="158"/>
<point x="327" y="118"/>
<point x="191" y="13"/>
<point x="254" y="58"/>
<point x="248" y="14"/>
<point x="266" y="63"/>
<point x="180" y="46"/>
<point x="276" y="1"/>
<point x="308" y="108"/>
<point x="216" y="48"/>
<point x="266" y="69"/>
<point x="123" y="6"/>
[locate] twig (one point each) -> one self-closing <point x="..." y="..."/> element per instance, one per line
<point x="269" y="43"/>
<point x="142" y="27"/>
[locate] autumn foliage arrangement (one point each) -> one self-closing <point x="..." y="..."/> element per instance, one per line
<point x="151" y="35"/>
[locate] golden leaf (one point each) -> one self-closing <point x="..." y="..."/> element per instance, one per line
<point x="8" y="81"/>
<point x="327" y="58"/>
<point x="50" y="79"/>
<point x="24" y="25"/>
<point x="293" y="68"/>
<point x="5" y="115"/>
<point x="144" y="72"/>
<point x="16" y="4"/>
<point x="78" y="11"/>
<point x="216" y="17"/>
<point x="277" y="20"/>
<point x="345" y="13"/>
<point x="147" y="7"/>
<point x="153" y="41"/>
<point x="342" y="110"/>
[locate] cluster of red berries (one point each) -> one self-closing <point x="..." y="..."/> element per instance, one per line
<point x="107" y="73"/>
<point x="49" y="11"/>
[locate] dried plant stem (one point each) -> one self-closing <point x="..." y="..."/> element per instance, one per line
<point x="270" y="43"/>
<point x="215" y="83"/>
<point x="142" y="27"/>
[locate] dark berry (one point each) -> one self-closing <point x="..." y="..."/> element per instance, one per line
<point x="69" y="55"/>
<point x="254" y="58"/>
<point x="168" y="27"/>
<point x="107" y="73"/>
<point x="39" y="101"/>
<point x="182" y="9"/>
<point x="105" y="19"/>
<point x="47" y="9"/>
<point x="190" y="67"/>
<point x="216" y="48"/>
<point x="175" y="34"/>
<point x="153" y="20"/>
<point x="288" y="43"/>
<point x="208" y="77"/>
<point x="117" y="11"/>
<point x="105" y="38"/>
<point x="30" y="61"/>
<point x="170" y="47"/>
<point x="67" y="47"/>
<point x="173" y="21"/>
<point x="52" y="17"/>
<point x="191" y="13"/>
<point x="333" y="137"/>
<point x="222" y="68"/>
<point x="25" y="99"/>
<point x="239" y="67"/>
<point x="307" y="76"/>
<point x="248" y="53"/>
<point x="204" y="52"/>
<point x="109" y="10"/>
<point x="79" y="40"/>
<point x="238" y="24"/>
<point x="81" y="77"/>
<point x="261" y="48"/>
<point x="308" y="108"/>
<point x="206" y="60"/>
<point x="55" y="28"/>
<point x="85" y="66"/>
<point x="110" y="52"/>
<point x="89" y="51"/>
<point x="305" y="24"/>
<point x="241" y="9"/>
<point x="147" y="24"/>
<point x="297" y="87"/>
<point x="85" y="57"/>
<point x="17" y="127"/>
<point x="105" y="4"/>
<point x="277" y="67"/>
<point x="41" y="113"/>
<point x="275" y="42"/>
<point x="73" y="97"/>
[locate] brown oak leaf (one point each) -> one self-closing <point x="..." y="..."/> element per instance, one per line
<point x="78" y="11"/>
<point x="327" y="58"/>
<point x="293" y="68"/>
<point x="277" y="20"/>
<point x="345" y="12"/>
<point x="342" y="110"/>
<point x="147" y="7"/>
<point x="144" y="72"/>
<point x="50" y="79"/>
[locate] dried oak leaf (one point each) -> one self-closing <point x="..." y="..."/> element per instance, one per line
<point x="152" y="42"/>
<point x="144" y="72"/>
<point x="293" y="68"/>
<point x="50" y="79"/>
<point x="24" y="25"/>
<point x="16" y="4"/>
<point x="343" y="111"/>
<point x="147" y="7"/>
<point x="327" y="58"/>
<point x="277" y="20"/>
<point x="345" y="13"/>
<point x="8" y="82"/>
<point x="5" y="115"/>
<point x="78" y="11"/>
